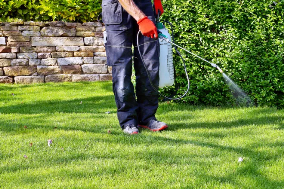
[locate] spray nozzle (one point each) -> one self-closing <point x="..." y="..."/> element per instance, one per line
<point x="216" y="66"/>
<point x="221" y="71"/>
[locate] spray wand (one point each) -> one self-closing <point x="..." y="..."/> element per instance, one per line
<point x="240" y="96"/>
<point x="163" y="37"/>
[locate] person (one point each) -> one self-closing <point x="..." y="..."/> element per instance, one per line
<point x="123" y="19"/>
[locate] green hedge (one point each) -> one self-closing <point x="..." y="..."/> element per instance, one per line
<point x="47" y="10"/>
<point x="245" y="38"/>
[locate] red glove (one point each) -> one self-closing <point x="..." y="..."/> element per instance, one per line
<point x="147" y="27"/>
<point x="158" y="7"/>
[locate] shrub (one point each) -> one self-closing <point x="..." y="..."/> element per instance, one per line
<point x="46" y="10"/>
<point x="245" y="38"/>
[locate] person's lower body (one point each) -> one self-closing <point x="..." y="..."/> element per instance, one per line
<point x="138" y="107"/>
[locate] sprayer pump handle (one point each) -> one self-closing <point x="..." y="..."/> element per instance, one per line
<point x="157" y="16"/>
<point x="161" y="35"/>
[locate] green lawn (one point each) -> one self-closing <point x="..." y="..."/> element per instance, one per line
<point x="200" y="149"/>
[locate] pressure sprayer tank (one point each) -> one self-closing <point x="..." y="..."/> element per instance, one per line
<point x="166" y="69"/>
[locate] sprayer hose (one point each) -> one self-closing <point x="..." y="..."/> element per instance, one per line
<point x="188" y="82"/>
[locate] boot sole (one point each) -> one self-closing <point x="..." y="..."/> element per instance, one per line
<point x="133" y="133"/>
<point x="154" y="130"/>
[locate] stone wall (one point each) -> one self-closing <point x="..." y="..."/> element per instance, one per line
<point x="37" y="52"/>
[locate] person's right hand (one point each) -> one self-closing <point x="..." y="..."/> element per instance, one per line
<point x="158" y="7"/>
<point x="147" y="27"/>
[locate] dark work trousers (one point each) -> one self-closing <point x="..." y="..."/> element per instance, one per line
<point x="122" y="32"/>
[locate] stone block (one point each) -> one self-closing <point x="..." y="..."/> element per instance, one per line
<point x="61" y="54"/>
<point x="44" y="55"/>
<point x="73" y="24"/>
<point x="72" y="69"/>
<point x="88" y="60"/>
<point x="100" y="60"/>
<point x="31" y="33"/>
<point x="92" y="48"/>
<point x="29" y="79"/>
<point x="32" y="23"/>
<point x="58" y="31"/>
<point x="67" y="48"/>
<point x="100" y="54"/>
<point x="94" y="24"/>
<point x="99" y="42"/>
<point x="89" y="41"/>
<point x="1" y="72"/>
<point x="14" y="49"/>
<point x="18" y="22"/>
<point x="2" y="41"/>
<point x="8" y="55"/>
<point x="8" y="27"/>
<point x="83" y="54"/>
<point x="49" y="62"/>
<point x="59" y="78"/>
<point x="105" y="77"/>
<point x="27" y="49"/>
<point x="18" y="38"/>
<point x="99" y="34"/>
<point x="5" y="62"/>
<point x="11" y="33"/>
<point x="85" y="77"/>
<point x="27" y="55"/>
<point x="6" y="79"/>
<point x="29" y="28"/>
<point x="45" y="49"/>
<point x="34" y="62"/>
<point x="57" y="24"/>
<point x="57" y="41"/>
<point x="100" y="29"/>
<point x="86" y="28"/>
<point x="48" y="70"/>
<point x="19" y="70"/>
<point x="19" y="44"/>
<point x="85" y="34"/>
<point x="70" y="61"/>
<point x="19" y="62"/>
<point x="100" y="49"/>
<point x="94" y="69"/>
<point x="4" y="49"/>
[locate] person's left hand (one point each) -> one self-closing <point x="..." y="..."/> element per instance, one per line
<point x="158" y="7"/>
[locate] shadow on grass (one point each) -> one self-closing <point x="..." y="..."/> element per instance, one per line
<point x="36" y="114"/>
<point x="255" y="117"/>
<point x="47" y="115"/>
<point x="15" y="92"/>
<point x="252" y="169"/>
<point x="80" y="105"/>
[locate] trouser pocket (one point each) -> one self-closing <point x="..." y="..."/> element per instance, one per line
<point x="111" y="12"/>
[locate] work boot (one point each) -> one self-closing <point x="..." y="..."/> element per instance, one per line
<point x="154" y="125"/>
<point x="130" y="129"/>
